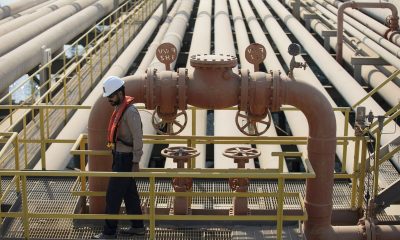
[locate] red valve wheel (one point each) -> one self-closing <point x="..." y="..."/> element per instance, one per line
<point x="241" y="153"/>
<point x="251" y="127"/>
<point x="180" y="152"/>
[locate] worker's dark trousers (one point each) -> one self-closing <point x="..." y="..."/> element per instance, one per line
<point x="122" y="189"/>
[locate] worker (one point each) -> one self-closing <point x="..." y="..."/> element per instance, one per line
<point x="125" y="139"/>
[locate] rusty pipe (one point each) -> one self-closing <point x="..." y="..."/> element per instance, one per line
<point x="321" y="150"/>
<point x="340" y="20"/>
<point x="322" y="133"/>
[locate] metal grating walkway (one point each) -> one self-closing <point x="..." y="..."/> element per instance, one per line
<point x="53" y="195"/>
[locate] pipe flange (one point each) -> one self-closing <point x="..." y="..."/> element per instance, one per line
<point x="276" y="79"/>
<point x="149" y="86"/>
<point x="244" y="90"/>
<point x="182" y="78"/>
<point x="213" y="61"/>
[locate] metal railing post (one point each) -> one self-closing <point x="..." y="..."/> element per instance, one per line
<point x="280" y="201"/>
<point x="355" y="173"/>
<point x="25" y="213"/>
<point x="376" y="161"/>
<point x="345" y="143"/>
<point x="361" y="179"/>
<point x="42" y="139"/>
<point x="152" y="202"/>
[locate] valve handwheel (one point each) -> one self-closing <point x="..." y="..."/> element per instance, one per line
<point x="169" y="123"/>
<point x="251" y="127"/>
<point x="241" y="152"/>
<point x="180" y="152"/>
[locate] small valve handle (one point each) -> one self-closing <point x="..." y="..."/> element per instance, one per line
<point x="241" y="153"/>
<point x="180" y="152"/>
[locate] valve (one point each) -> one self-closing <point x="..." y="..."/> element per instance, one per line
<point x="393" y="24"/>
<point x="181" y="155"/>
<point x="168" y="121"/>
<point x="241" y="156"/>
<point x="294" y="49"/>
<point x="252" y="126"/>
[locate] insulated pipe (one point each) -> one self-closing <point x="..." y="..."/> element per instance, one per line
<point x="17" y="7"/>
<point x="339" y="47"/>
<point x="224" y="124"/>
<point x="23" y="34"/>
<point x="344" y="83"/>
<point x="22" y="59"/>
<point x="368" y="21"/>
<point x="60" y="153"/>
<point x="226" y="93"/>
<point x="201" y="42"/>
<point x="18" y="22"/>
<point x="369" y="73"/>
<point x="296" y="120"/>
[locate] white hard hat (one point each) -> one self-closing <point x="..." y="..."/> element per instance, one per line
<point x="112" y="84"/>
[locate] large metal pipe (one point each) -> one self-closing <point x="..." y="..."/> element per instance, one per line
<point x="296" y="120"/>
<point x="321" y="120"/>
<point x="17" y="7"/>
<point x="351" y="91"/>
<point x="22" y="59"/>
<point x="224" y="124"/>
<point x="23" y="34"/>
<point x="368" y="21"/>
<point x="385" y="55"/>
<point x="369" y="73"/>
<point x="18" y="22"/>
<point x="265" y="159"/>
<point x="60" y="154"/>
<point x="201" y="43"/>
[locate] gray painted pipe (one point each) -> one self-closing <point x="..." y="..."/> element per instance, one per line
<point x="22" y="59"/>
<point x="339" y="77"/>
<point x="224" y="120"/>
<point x="60" y="153"/>
<point x="18" y="22"/>
<point x="296" y="120"/>
<point x="390" y="92"/>
<point x="17" y="7"/>
<point x="25" y="33"/>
